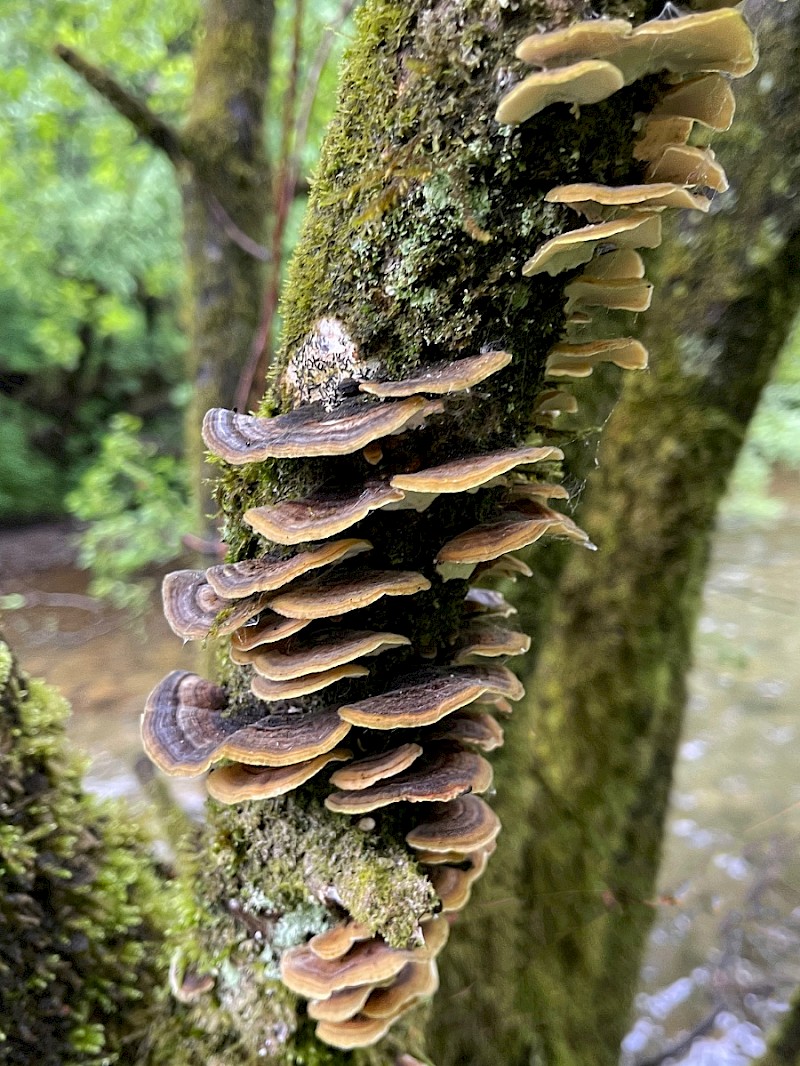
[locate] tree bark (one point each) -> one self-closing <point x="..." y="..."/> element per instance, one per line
<point x="226" y="200"/>
<point x="421" y="216"/>
<point x="589" y="761"/>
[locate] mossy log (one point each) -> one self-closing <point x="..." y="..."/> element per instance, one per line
<point x="82" y="908"/>
<point x="587" y="768"/>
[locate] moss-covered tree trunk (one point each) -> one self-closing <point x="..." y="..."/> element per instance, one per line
<point x="82" y="910"/>
<point x="422" y="214"/>
<point x="589" y="765"/>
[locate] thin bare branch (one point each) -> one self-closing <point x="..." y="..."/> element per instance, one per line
<point x="147" y="123"/>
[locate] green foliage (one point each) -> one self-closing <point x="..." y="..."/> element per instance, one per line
<point x="136" y="502"/>
<point x="773" y="440"/>
<point x="90" y="261"/>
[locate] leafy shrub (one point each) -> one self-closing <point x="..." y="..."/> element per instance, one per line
<point x="136" y="502"/>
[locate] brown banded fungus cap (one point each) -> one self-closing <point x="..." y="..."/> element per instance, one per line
<point x="235" y="580"/>
<point x="184" y="736"/>
<point x="193" y="609"/>
<point x="555" y="401"/>
<point x="415" y="981"/>
<point x="621" y="264"/>
<point x="537" y="490"/>
<point x="657" y="133"/>
<point x="426" y="698"/>
<point x="324" y="651"/>
<point x="466" y="824"/>
<point x="335" y="942"/>
<point x="339" y="592"/>
<point x="341" y="1005"/>
<point x="269" y="629"/>
<point x="366" y="772"/>
<point x="438" y="775"/>
<point x="237" y="782"/>
<point x="493" y="539"/>
<point x="689" y="166"/>
<point x="306" y="431"/>
<point x="572" y="359"/>
<point x="577" y="246"/>
<point x="358" y="1031"/>
<point x="182" y="724"/>
<point x="704" y="41"/>
<point x="708" y="100"/>
<point x="618" y="295"/>
<point x="367" y="963"/>
<point x="473" y="730"/>
<point x="586" y="82"/>
<point x="593" y="200"/>
<point x="453" y="887"/>
<point x="442" y="378"/>
<point x="594" y="37"/>
<point x="692" y="44"/>
<point x="491" y="641"/>
<point x="507" y="566"/>
<point x="293" y="688"/>
<point x="465" y="475"/>
<point x="321" y="515"/>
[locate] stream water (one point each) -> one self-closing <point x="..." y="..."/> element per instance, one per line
<point x="724" y="954"/>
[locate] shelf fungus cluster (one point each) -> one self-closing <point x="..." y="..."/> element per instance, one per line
<point x="586" y="63"/>
<point x="382" y="722"/>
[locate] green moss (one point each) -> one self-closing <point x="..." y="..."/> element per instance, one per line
<point x="82" y="911"/>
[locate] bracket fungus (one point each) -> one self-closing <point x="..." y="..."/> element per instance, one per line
<point x="321" y="515"/>
<point x="307" y="431"/>
<point x="326" y="650"/>
<point x="576" y="247"/>
<point x="283" y="611"/>
<point x="438" y="775"/>
<point x="427" y="697"/>
<point x="238" y="782"/>
<point x="339" y="593"/>
<point x="443" y="378"/>
<point x="234" y="580"/>
<point x="586" y="82"/>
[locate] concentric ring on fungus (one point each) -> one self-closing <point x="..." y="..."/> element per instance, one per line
<point x="442" y="378"/>
<point x="324" y="651"/>
<point x="239" y="782"/>
<point x="321" y="515"/>
<point x="426" y="697"/>
<point x="234" y="580"/>
<point x="438" y="775"/>
<point x="306" y="431"/>
<point x="184" y="731"/>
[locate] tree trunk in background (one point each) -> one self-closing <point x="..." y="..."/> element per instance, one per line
<point x="82" y="909"/>
<point x="588" y="763"/>
<point x="226" y="199"/>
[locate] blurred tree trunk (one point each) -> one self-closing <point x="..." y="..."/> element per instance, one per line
<point x="588" y="764"/>
<point x="226" y="201"/>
